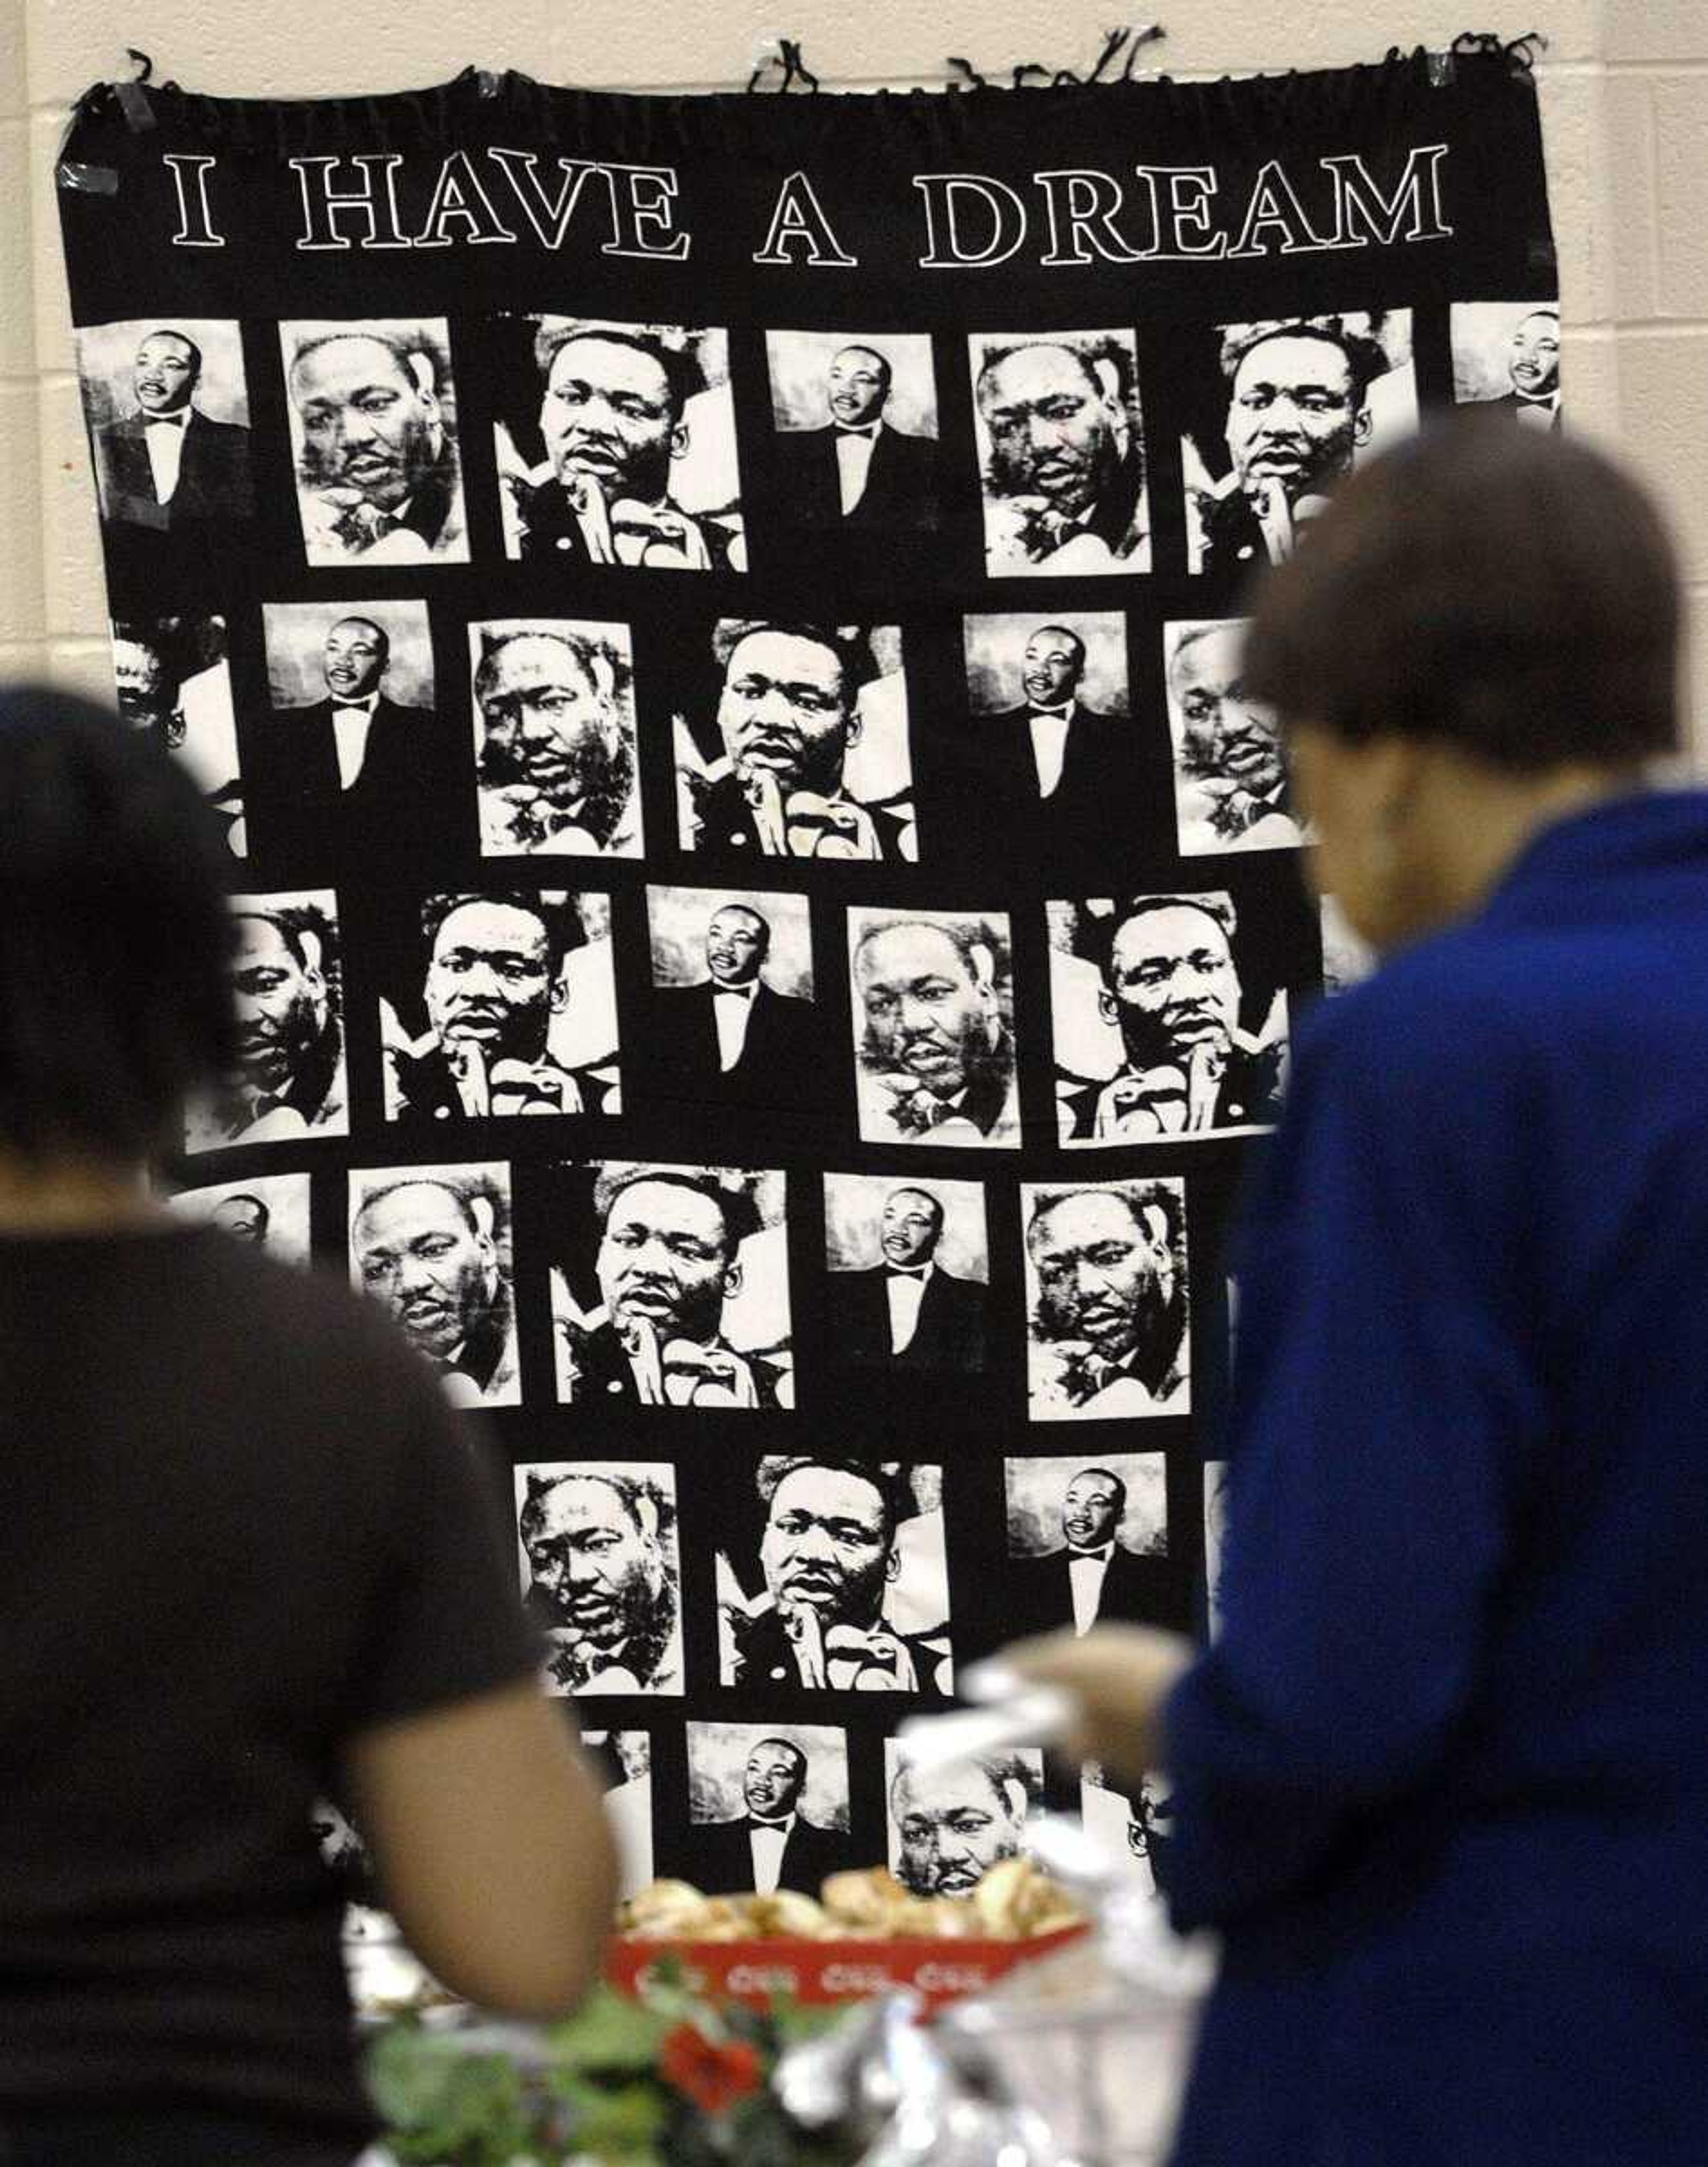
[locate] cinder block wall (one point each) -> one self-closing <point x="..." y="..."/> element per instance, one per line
<point x="1624" y="84"/>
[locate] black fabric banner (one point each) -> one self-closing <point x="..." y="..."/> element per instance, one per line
<point x="766" y="913"/>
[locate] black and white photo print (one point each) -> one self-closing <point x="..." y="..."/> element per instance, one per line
<point x="1232" y="791"/>
<point x="1128" y="1824"/>
<point x="556" y="749"/>
<point x="807" y="754"/>
<point x="622" y="1768"/>
<point x="1108" y="1299"/>
<point x="1299" y="401"/>
<point x="171" y="680"/>
<point x="675" y="1289"/>
<point x="1215" y="1530"/>
<point x="1157" y="1031"/>
<point x="1062" y="452"/>
<point x="167" y="409"/>
<point x="287" y="987"/>
<point x="857" y="424"/>
<point x="947" y="1827"/>
<point x="1506" y="359"/>
<point x="910" y="1272"/>
<point x="354" y="757"/>
<point x="513" y="1010"/>
<point x="849" y="1590"/>
<point x="433" y="1244"/>
<point x="616" y="445"/>
<point x="1055" y="773"/>
<point x="1077" y="1531"/>
<point x="733" y="1021"/>
<point x="934" y="1027"/>
<point x="372" y="411"/>
<point x="1347" y="957"/>
<point x="601" y="1574"/>
<point x="767" y="1807"/>
<point x="269" y="1211"/>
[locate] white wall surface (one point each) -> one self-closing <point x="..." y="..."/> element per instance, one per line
<point x="1624" y="87"/>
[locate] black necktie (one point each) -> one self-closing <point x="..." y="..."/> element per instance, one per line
<point x="163" y="422"/>
<point x="842" y="430"/>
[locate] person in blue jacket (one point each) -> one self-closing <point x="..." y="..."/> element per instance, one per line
<point x="1441" y="1784"/>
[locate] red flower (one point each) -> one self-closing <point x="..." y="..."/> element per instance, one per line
<point x="713" y="2074"/>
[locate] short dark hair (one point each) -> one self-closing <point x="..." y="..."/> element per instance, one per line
<point x="1217" y="905"/>
<point x="732" y="1195"/>
<point x="889" y="1485"/>
<point x="183" y="338"/>
<point x="114" y="939"/>
<point x="1364" y="354"/>
<point x="851" y="645"/>
<point x="557" y="922"/>
<point x="1511" y="592"/>
<point x="683" y="375"/>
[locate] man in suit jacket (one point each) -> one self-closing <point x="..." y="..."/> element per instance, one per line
<point x="356" y="774"/>
<point x="829" y="1557"/>
<point x="1058" y="775"/>
<point x="774" y="1846"/>
<point x="789" y="715"/>
<point x="860" y="472"/>
<point x="669" y="1257"/>
<point x="732" y="1040"/>
<point x="1095" y="1578"/>
<point x="908" y="1312"/>
<point x="1172" y="988"/>
<point x="613" y="419"/>
<point x="169" y="466"/>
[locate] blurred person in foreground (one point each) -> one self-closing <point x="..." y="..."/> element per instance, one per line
<point x="1441" y="1783"/>
<point x="232" y="1578"/>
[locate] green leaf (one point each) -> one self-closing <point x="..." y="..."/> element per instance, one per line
<point x="623" y="2124"/>
<point x="442" y="2104"/>
<point x="608" y="2031"/>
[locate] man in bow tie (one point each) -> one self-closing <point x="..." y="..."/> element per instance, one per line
<point x="358" y="775"/>
<point x="1057" y="773"/>
<point x="1093" y="1576"/>
<point x="733" y="1039"/>
<point x="169" y="466"/>
<point x="377" y="474"/>
<point x="829" y="1556"/>
<point x="1065" y="483"/>
<point x="1109" y="1320"/>
<point x="773" y="1844"/>
<point x="860" y="472"/>
<point x="1533" y="371"/>
<point x="907" y="1312"/>
<point x="1171" y="988"/>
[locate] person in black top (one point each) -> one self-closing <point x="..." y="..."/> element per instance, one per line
<point x="245" y="1558"/>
